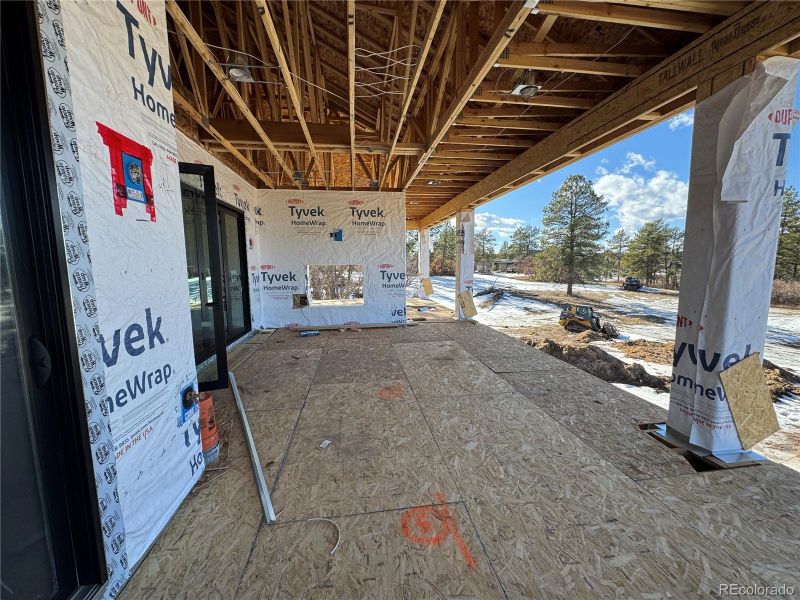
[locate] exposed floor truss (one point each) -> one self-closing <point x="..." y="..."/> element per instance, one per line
<point x="419" y="96"/>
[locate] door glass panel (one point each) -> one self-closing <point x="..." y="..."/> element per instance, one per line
<point x="27" y="568"/>
<point x="198" y="265"/>
<point x="234" y="273"/>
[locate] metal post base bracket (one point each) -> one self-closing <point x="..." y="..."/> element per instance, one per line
<point x="721" y="460"/>
<point x="263" y="491"/>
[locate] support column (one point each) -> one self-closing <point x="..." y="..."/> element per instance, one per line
<point x="465" y="255"/>
<point x="424" y="260"/>
<point x="738" y="167"/>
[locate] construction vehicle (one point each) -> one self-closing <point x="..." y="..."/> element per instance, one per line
<point x="580" y="317"/>
<point x="632" y="283"/>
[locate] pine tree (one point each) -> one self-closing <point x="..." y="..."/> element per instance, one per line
<point x="574" y="224"/>
<point x="654" y="253"/>
<point x="524" y="241"/>
<point x="484" y="250"/>
<point x="443" y="253"/>
<point x="787" y="261"/>
<point x="505" y="250"/>
<point x="617" y="246"/>
<point x="412" y="253"/>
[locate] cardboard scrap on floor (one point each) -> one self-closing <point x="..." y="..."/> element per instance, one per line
<point x="466" y="303"/>
<point x="749" y="400"/>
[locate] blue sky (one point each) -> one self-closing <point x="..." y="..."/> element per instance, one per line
<point x="643" y="178"/>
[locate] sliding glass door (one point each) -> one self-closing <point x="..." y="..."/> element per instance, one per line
<point x="204" y="272"/>
<point x="234" y="270"/>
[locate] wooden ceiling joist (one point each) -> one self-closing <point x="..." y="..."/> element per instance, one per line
<point x="409" y="95"/>
<point x="629" y="15"/>
<point x="351" y="85"/>
<point x="523" y="124"/>
<point x="504" y="32"/>
<point x="756" y="28"/>
<point x="186" y="106"/>
<point x="186" y="28"/>
<point x="571" y="65"/>
<point x="289" y="80"/>
<point x="406" y="93"/>
<point x="584" y="50"/>
<point x="545" y="99"/>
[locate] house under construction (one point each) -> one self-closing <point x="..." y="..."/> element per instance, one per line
<point x="212" y="197"/>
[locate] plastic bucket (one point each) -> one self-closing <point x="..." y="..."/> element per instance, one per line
<point x="208" y="428"/>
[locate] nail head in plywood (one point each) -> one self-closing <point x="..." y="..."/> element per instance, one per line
<point x="749" y="400"/>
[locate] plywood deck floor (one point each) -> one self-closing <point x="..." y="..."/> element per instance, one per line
<point x="463" y="464"/>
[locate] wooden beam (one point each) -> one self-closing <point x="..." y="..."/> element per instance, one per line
<point x="629" y="15"/>
<point x="272" y="34"/>
<point x="544" y="28"/>
<point x="517" y="113"/>
<point x="571" y="65"/>
<point x="543" y="100"/>
<point x="465" y="140"/>
<point x="182" y="23"/>
<point x="667" y="87"/>
<point x="515" y="15"/>
<point x="569" y="84"/>
<point x="409" y="95"/>
<point x="351" y="84"/>
<point x="709" y="7"/>
<point x="583" y="50"/>
<point x="523" y="124"/>
<point x="181" y="101"/>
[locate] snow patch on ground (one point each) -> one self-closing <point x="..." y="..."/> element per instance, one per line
<point x="660" y="309"/>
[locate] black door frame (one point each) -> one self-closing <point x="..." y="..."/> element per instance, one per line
<point x="221" y="206"/>
<point x="69" y="473"/>
<point x="215" y="263"/>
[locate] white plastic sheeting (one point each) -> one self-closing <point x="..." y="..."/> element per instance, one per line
<point x="465" y="254"/>
<point x="424" y="259"/>
<point x="120" y="83"/>
<point x="313" y="227"/>
<point x="739" y="152"/>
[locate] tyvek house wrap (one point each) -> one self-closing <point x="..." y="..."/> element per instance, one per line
<point x="313" y="227"/>
<point x="120" y="128"/>
<point x="739" y="157"/>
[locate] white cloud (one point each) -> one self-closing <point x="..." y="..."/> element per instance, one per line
<point x="502" y="227"/>
<point x="635" y="199"/>
<point x="634" y="159"/>
<point x="601" y="171"/>
<point x="682" y="120"/>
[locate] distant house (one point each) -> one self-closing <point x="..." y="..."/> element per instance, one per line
<point x="505" y="265"/>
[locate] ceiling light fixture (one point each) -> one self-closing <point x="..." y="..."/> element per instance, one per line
<point x="527" y="86"/>
<point x="237" y="69"/>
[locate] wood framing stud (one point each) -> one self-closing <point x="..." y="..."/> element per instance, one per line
<point x="289" y="78"/>
<point x="182" y="23"/>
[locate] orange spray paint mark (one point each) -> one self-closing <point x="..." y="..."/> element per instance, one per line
<point x="425" y="519"/>
<point x="391" y="392"/>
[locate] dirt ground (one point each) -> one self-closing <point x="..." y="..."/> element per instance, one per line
<point x="779" y="381"/>
<point x="577" y="349"/>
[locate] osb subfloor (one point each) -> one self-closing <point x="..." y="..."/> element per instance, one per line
<point x="463" y="464"/>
